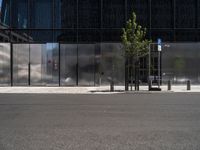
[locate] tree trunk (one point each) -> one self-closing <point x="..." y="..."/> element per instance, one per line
<point x="137" y="75"/>
<point x="126" y="74"/>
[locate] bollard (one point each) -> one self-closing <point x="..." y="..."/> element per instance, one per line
<point x="169" y="85"/>
<point x="188" y="85"/>
<point x="150" y="84"/>
<point x="111" y="86"/>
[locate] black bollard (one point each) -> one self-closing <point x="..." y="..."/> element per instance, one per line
<point x="111" y="86"/>
<point x="150" y="84"/>
<point x="188" y="85"/>
<point x="169" y="85"/>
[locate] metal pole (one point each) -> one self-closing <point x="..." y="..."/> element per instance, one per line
<point x="149" y="62"/>
<point x="158" y="69"/>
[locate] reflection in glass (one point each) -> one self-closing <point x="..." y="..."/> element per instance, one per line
<point x="19" y="14"/>
<point x="5" y="12"/>
<point x="112" y="64"/>
<point x="86" y="64"/>
<point x="180" y="63"/>
<point x="41" y="13"/>
<point x="4" y="64"/>
<point x="51" y="70"/>
<point x="20" y="64"/>
<point x="44" y="65"/>
<point x="36" y="64"/>
<point x="68" y="64"/>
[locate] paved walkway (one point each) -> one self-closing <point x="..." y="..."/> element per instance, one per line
<point x="87" y="90"/>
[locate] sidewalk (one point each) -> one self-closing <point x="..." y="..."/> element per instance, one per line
<point x="90" y="90"/>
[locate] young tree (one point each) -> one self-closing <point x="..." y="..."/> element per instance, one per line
<point x="135" y="46"/>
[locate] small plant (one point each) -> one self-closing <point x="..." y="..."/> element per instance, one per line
<point x="135" y="46"/>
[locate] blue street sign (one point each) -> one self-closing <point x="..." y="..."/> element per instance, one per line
<point x="159" y="41"/>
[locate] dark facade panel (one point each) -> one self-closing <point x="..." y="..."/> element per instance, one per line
<point x="19" y="14"/>
<point x="41" y="14"/>
<point x="66" y="36"/>
<point x="113" y="35"/>
<point x="97" y="20"/>
<point x="162" y="14"/>
<point x="113" y="13"/>
<point x="5" y="35"/>
<point x="185" y="13"/>
<point x="198" y="13"/>
<point x="41" y="36"/>
<point x="165" y="35"/>
<point x="186" y="35"/>
<point x="68" y="13"/>
<point x="20" y="36"/>
<point x="88" y="35"/>
<point x="89" y="14"/>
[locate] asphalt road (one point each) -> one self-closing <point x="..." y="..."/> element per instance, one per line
<point x="100" y="122"/>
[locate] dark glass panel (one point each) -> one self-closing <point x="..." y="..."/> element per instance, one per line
<point x="89" y="13"/>
<point x="161" y="14"/>
<point x="5" y="12"/>
<point x="67" y="36"/>
<point x="198" y="13"/>
<point x="41" y="35"/>
<point x="165" y="35"/>
<point x="41" y="14"/>
<point x="198" y="36"/>
<point x="4" y="35"/>
<point x="185" y="13"/>
<point x="186" y="35"/>
<point x="19" y="16"/>
<point x="113" y="13"/>
<point x="113" y="35"/>
<point x="68" y="13"/>
<point x="86" y="35"/>
<point x="21" y="36"/>
<point x="140" y="7"/>
<point x="57" y="13"/>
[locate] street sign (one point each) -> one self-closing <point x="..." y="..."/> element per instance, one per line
<point x="159" y="42"/>
<point x="159" y="48"/>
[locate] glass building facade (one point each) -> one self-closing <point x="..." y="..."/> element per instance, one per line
<point x="74" y="42"/>
<point x="98" y="20"/>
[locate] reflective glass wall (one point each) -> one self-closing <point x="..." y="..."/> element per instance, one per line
<point x="60" y="64"/>
<point x="35" y="64"/>
<point x="112" y="64"/>
<point x="180" y="62"/>
<point x="68" y="65"/>
<point x="5" y="67"/>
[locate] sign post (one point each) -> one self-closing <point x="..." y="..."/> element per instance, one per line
<point x="159" y="68"/>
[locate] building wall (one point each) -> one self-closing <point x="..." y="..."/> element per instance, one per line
<point x="91" y="21"/>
